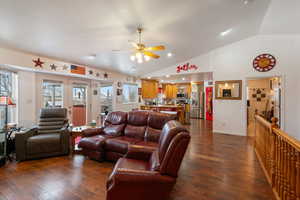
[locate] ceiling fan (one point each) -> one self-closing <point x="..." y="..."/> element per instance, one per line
<point x="141" y="52"/>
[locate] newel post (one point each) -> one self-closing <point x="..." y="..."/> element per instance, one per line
<point x="274" y="122"/>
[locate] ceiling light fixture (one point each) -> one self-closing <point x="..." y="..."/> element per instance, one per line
<point x="143" y="53"/>
<point x="224" y="33"/>
<point x="169" y="55"/>
<point x="183" y="78"/>
<point x="149" y="77"/>
<point x="167" y="75"/>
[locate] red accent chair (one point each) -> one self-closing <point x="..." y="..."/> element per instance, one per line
<point x="147" y="174"/>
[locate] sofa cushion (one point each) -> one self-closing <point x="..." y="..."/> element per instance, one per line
<point x="115" y="118"/>
<point x="114" y="130"/>
<point x="152" y="134"/>
<point x="43" y="143"/>
<point x="137" y="132"/>
<point x="137" y="118"/>
<point x="156" y="122"/>
<point x="119" y="144"/>
<point x="93" y="143"/>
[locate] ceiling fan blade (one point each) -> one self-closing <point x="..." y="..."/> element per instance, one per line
<point x="135" y="45"/>
<point x="156" y="48"/>
<point x="150" y="54"/>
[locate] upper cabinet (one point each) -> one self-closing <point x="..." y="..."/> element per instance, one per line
<point x="149" y="89"/>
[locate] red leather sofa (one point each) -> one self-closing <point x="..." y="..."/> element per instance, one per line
<point x="121" y="129"/>
<point x="149" y="148"/>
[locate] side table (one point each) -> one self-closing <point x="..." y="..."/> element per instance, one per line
<point x="75" y="132"/>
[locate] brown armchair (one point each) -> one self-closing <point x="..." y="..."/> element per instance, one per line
<point x="150" y="174"/>
<point x="49" y="138"/>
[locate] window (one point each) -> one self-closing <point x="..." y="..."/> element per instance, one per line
<point x="8" y="92"/>
<point x="130" y="93"/>
<point x="52" y="94"/>
<point x="106" y="93"/>
<point x="79" y="95"/>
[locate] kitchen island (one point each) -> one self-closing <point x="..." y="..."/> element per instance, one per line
<point x="178" y="110"/>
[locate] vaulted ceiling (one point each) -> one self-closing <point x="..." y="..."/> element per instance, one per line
<point x="71" y="30"/>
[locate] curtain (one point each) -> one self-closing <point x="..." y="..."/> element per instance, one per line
<point x="149" y="89"/>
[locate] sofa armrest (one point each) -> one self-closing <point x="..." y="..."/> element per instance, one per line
<point x="123" y="183"/>
<point x="65" y="139"/>
<point x="138" y="152"/>
<point x="92" y="132"/>
<point x="21" y="140"/>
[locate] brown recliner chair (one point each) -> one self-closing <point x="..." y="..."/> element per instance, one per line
<point x="49" y="138"/>
<point x="147" y="174"/>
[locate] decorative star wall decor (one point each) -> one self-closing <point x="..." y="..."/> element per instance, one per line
<point x="53" y="67"/>
<point x="105" y="75"/>
<point x="65" y="67"/>
<point x="38" y="63"/>
<point x="91" y="72"/>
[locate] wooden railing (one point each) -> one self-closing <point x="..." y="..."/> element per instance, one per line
<point x="279" y="156"/>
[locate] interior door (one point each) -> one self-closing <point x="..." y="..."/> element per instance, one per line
<point x="79" y="107"/>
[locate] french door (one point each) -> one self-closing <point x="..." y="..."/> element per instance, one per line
<point x="79" y="107"/>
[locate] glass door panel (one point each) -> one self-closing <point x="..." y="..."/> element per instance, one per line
<point x="52" y="94"/>
<point x="79" y="105"/>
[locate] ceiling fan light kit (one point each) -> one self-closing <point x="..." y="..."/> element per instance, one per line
<point x="143" y="53"/>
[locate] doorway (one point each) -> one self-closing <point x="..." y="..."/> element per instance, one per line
<point x="79" y="104"/>
<point x="264" y="98"/>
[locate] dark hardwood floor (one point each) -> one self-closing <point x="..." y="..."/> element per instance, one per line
<point x="216" y="167"/>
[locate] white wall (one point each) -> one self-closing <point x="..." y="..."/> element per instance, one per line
<point x="26" y="99"/>
<point x="234" y="62"/>
<point x="30" y="84"/>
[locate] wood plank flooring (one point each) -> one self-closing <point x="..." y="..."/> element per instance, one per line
<point x="216" y="167"/>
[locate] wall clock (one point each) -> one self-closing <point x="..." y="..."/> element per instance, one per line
<point x="264" y="62"/>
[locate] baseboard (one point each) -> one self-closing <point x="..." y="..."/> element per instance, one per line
<point x="227" y="133"/>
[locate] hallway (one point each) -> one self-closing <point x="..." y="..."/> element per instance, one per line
<point x="216" y="167"/>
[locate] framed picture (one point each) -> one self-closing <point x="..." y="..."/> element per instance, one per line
<point x="119" y="92"/>
<point x="228" y="90"/>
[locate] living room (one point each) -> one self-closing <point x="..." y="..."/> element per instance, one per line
<point x="111" y="100"/>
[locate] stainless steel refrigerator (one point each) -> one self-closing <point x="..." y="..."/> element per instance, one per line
<point x="197" y="101"/>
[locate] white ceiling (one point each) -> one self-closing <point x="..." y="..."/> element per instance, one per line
<point x="282" y="17"/>
<point x="70" y="30"/>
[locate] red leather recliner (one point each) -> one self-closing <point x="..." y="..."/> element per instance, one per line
<point x="144" y="174"/>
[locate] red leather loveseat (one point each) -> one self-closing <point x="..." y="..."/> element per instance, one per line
<point x="121" y="129"/>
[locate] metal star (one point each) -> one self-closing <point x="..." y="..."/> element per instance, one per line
<point x="53" y="67"/>
<point x="38" y="63"/>
<point x="65" y="67"/>
<point x="105" y="75"/>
